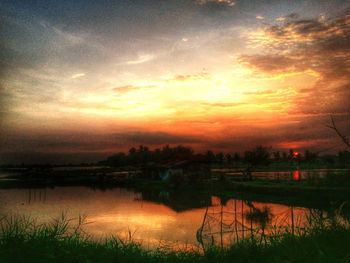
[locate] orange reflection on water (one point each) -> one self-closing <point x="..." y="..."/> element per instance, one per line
<point x="124" y="213"/>
<point x="296" y="175"/>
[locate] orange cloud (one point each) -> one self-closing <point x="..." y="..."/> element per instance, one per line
<point x="318" y="47"/>
<point x="199" y="76"/>
<point x="128" y="88"/>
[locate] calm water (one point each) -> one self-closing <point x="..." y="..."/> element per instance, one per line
<point x="158" y="218"/>
<point x="295" y="175"/>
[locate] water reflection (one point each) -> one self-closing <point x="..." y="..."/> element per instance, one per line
<point x="224" y="224"/>
<point x="36" y="195"/>
<point x="295" y="175"/>
<point x="111" y="212"/>
<point x="160" y="218"/>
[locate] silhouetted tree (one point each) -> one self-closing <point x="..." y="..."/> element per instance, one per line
<point x="220" y="158"/>
<point x="328" y="159"/>
<point x="228" y="158"/>
<point x="291" y="154"/>
<point x="309" y="156"/>
<point x="259" y="156"/>
<point x="210" y="157"/>
<point x="236" y="158"/>
<point x="118" y="159"/>
<point x="277" y="155"/>
<point x="284" y="156"/>
<point x="344" y="157"/>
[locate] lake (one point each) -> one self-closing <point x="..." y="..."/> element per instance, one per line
<point x="157" y="219"/>
<point x="294" y="175"/>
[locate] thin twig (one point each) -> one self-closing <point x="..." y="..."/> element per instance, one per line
<point x="342" y="136"/>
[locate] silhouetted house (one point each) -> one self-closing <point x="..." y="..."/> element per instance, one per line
<point x="170" y="168"/>
<point x="166" y="169"/>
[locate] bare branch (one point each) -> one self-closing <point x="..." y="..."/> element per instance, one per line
<point x="342" y="136"/>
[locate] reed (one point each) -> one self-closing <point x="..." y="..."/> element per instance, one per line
<point x="22" y="239"/>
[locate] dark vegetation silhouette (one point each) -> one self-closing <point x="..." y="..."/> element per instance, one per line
<point x="257" y="157"/>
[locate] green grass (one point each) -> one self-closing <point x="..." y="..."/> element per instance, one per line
<point x="23" y="240"/>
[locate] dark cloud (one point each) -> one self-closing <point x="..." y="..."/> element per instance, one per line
<point x="319" y="46"/>
<point x="290" y="16"/>
<point x="313" y="35"/>
<point x="4" y="66"/>
<point x="272" y="63"/>
<point x="308" y="132"/>
<point x="76" y="147"/>
<point x="33" y="157"/>
<point x="18" y="146"/>
<point x="157" y="138"/>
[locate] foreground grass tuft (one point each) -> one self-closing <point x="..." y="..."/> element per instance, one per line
<point x="23" y="240"/>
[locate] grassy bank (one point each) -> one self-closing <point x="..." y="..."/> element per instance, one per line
<point x="22" y="240"/>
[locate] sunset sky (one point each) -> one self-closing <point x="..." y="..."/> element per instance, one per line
<point x="83" y="79"/>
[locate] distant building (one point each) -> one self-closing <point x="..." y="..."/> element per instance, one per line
<point x="166" y="169"/>
<point x="173" y="167"/>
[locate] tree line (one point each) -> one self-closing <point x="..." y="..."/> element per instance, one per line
<point x="260" y="155"/>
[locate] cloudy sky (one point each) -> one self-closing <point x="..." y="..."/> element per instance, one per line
<point x="83" y="79"/>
